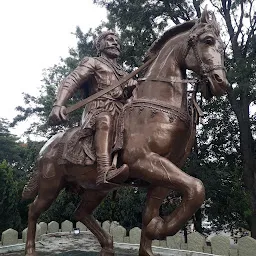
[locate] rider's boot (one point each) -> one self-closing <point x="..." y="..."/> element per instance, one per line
<point x="106" y="173"/>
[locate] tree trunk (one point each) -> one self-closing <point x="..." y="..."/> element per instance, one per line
<point x="198" y="221"/>
<point x="241" y="109"/>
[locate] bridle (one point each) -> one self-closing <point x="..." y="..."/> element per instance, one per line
<point x="204" y="69"/>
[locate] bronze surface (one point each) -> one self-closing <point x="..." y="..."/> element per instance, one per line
<point x="158" y="132"/>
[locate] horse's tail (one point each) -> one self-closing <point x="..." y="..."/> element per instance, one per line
<point x="30" y="190"/>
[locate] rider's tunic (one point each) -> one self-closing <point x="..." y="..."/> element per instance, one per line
<point x="95" y="74"/>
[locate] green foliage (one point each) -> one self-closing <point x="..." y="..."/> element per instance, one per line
<point x="217" y="162"/>
<point x="62" y="209"/>
<point x="9" y="216"/>
<point x="126" y="208"/>
<point x="118" y="209"/>
<point x="141" y="21"/>
<point x="10" y="150"/>
<point x="32" y="149"/>
<point x="18" y="159"/>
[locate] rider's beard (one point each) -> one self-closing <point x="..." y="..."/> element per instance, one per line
<point x="111" y="52"/>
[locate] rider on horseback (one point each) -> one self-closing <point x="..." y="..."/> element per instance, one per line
<point x="100" y="115"/>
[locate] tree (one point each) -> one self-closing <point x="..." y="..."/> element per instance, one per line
<point x="241" y="61"/>
<point x="10" y="149"/>
<point x="141" y="22"/>
<point x="217" y="161"/>
<point x="125" y="208"/>
<point x="62" y="209"/>
<point x="18" y="160"/>
<point x="9" y="215"/>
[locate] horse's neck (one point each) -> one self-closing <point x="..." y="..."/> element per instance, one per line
<point x="165" y="67"/>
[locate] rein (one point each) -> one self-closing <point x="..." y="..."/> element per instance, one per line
<point x="204" y="70"/>
<point x="109" y="88"/>
<point x="204" y="74"/>
<point x="169" y="80"/>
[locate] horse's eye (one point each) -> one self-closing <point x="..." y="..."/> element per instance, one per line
<point x="209" y="40"/>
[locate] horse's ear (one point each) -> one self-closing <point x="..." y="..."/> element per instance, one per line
<point x="205" y="17"/>
<point x="213" y="17"/>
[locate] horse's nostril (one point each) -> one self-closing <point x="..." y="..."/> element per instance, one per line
<point x="217" y="78"/>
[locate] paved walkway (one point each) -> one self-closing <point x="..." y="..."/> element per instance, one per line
<point x="65" y="244"/>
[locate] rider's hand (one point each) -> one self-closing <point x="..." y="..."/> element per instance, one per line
<point x="116" y="93"/>
<point x="132" y="83"/>
<point x="129" y="87"/>
<point x="57" y="115"/>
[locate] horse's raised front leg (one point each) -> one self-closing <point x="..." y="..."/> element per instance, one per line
<point x="48" y="191"/>
<point x="159" y="171"/>
<point x="90" y="200"/>
<point x="155" y="197"/>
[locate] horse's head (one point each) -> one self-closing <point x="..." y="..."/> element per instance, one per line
<point x="204" y="55"/>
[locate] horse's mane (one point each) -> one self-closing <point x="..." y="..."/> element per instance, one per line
<point x="184" y="27"/>
<point x="173" y="31"/>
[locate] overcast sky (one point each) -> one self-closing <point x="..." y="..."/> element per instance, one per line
<point x="34" y="35"/>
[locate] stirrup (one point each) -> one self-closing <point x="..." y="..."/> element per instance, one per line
<point x="123" y="172"/>
<point x="105" y="181"/>
<point x="102" y="179"/>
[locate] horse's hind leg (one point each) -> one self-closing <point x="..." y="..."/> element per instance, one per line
<point x="159" y="171"/>
<point x="48" y="191"/>
<point x="155" y="197"/>
<point x="90" y="200"/>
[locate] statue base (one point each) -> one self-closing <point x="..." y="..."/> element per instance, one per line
<point x="85" y="244"/>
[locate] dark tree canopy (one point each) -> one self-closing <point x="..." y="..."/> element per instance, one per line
<point x="9" y="215"/>
<point x="10" y="150"/>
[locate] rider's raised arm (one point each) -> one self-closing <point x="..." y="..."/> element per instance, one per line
<point x="74" y="80"/>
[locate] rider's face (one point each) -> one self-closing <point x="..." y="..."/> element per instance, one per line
<point x="112" y="46"/>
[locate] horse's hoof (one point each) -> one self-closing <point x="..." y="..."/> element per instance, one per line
<point x="107" y="252"/>
<point x="145" y="252"/>
<point x="33" y="253"/>
<point x="155" y="229"/>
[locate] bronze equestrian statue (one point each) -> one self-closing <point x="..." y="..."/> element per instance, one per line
<point x="153" y="134"/>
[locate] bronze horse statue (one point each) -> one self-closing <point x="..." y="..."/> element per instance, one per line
<point x="158" y="131"/>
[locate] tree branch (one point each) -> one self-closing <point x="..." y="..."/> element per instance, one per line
<point x="227" y="17"/>
<point x="250" y="37"/>
<point x="251" y="30"/>
<point x="239" y="28"/>
<point x="218" y="8"/>
<point x="196" y="4"/>
<point x="184" y="12"/>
